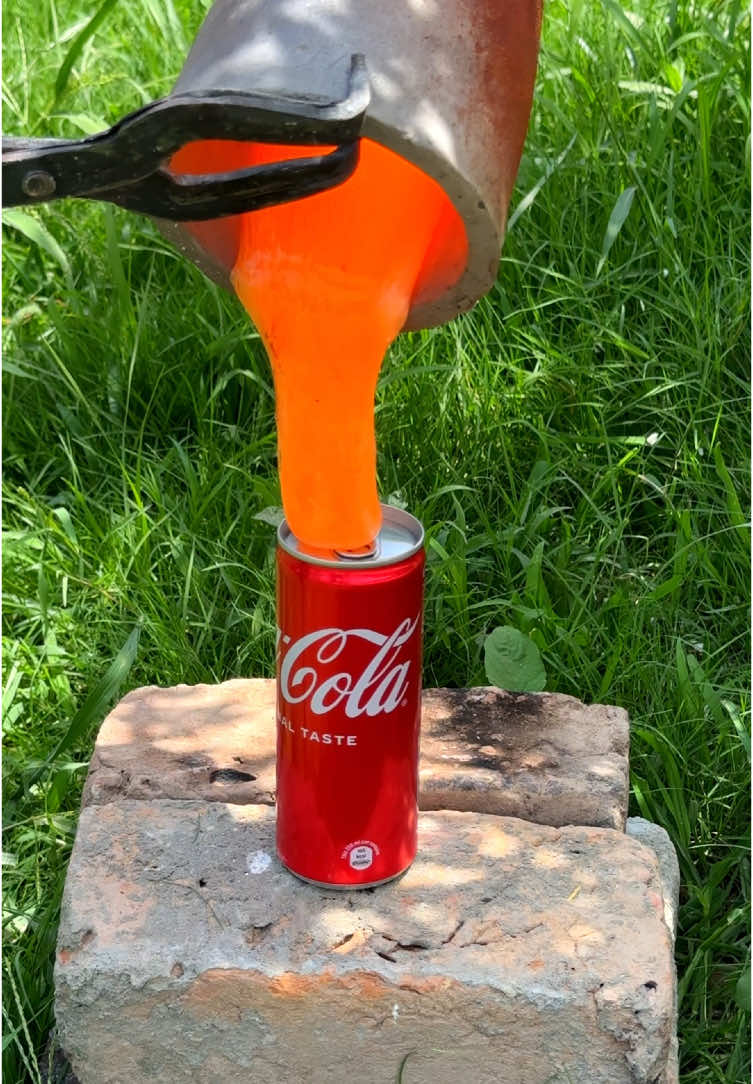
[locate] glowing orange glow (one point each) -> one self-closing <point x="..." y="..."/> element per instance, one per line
<point x="328" y="281"/>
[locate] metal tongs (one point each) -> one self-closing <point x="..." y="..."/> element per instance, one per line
<point x="127" y="164"/>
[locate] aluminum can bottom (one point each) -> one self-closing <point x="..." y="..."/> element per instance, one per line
<point x="347" y="888"/>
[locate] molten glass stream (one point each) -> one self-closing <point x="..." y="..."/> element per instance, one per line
<point x="328" y="281"/>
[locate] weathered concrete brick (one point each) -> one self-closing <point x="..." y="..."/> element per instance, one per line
<point x="509" y="952"/>
<point x="543" y="757"/>
<point x="655" y="837"/>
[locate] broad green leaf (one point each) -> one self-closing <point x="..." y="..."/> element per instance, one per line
<point x="271" y="515"/>
<point x="620" y="211"/>
<point x="512" y="661"/>
<point x="64" y="518"/>
<point x="742" y="991"/>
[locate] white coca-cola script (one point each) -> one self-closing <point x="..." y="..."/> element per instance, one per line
<point x="380" y="688"/>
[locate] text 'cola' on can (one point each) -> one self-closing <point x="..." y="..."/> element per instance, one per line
<point x="349" y="706"/>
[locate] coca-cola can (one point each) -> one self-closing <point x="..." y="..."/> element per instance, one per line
<point x="348" y="705"/>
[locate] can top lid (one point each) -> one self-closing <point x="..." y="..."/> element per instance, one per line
<point x="400" y="536"/>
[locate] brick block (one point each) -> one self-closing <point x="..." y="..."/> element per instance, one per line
<point x="508" y="952"/>
<point x="543" y="757"/>
<point x="655" y="837"/>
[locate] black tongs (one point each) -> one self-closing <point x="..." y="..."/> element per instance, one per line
<point x="127" y="163"/>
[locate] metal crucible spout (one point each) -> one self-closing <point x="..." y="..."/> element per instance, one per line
<point x="451" y="90"/>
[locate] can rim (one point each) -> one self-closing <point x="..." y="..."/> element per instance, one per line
<point x="391" y="517"/>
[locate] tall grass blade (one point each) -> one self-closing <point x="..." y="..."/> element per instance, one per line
<point x="100" y="696"/>
<point x="531" y="195"/>
<point x="115" y="264"/>
<point x="401" y="1067"/>
<point x="25" y="1048"/>
<point x="734" y="508"/>
<point x="619" y="214"/>
<point x="519" y="433"/>
<point x="78" y="44"/>
<point x="84" y="122"/>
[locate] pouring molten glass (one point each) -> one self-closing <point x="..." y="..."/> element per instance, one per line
<point x="252" y="166"/>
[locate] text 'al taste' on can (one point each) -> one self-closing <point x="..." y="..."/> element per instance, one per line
<point x="349" y="706"/>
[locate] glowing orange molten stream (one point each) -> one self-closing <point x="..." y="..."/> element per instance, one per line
<point x="328" y="281"/>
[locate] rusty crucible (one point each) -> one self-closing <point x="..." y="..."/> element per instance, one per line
<point x="446" y="84"/>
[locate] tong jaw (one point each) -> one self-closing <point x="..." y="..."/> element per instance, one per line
<point x="126" y="164"/>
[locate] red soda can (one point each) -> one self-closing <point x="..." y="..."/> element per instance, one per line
<point x="349" y="705"/>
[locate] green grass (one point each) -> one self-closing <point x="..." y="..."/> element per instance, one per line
<point x="577" y="448"/>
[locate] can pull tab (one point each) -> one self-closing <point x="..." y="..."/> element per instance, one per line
<point x="362" y="553"/>
<point x="127" y="164"/>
